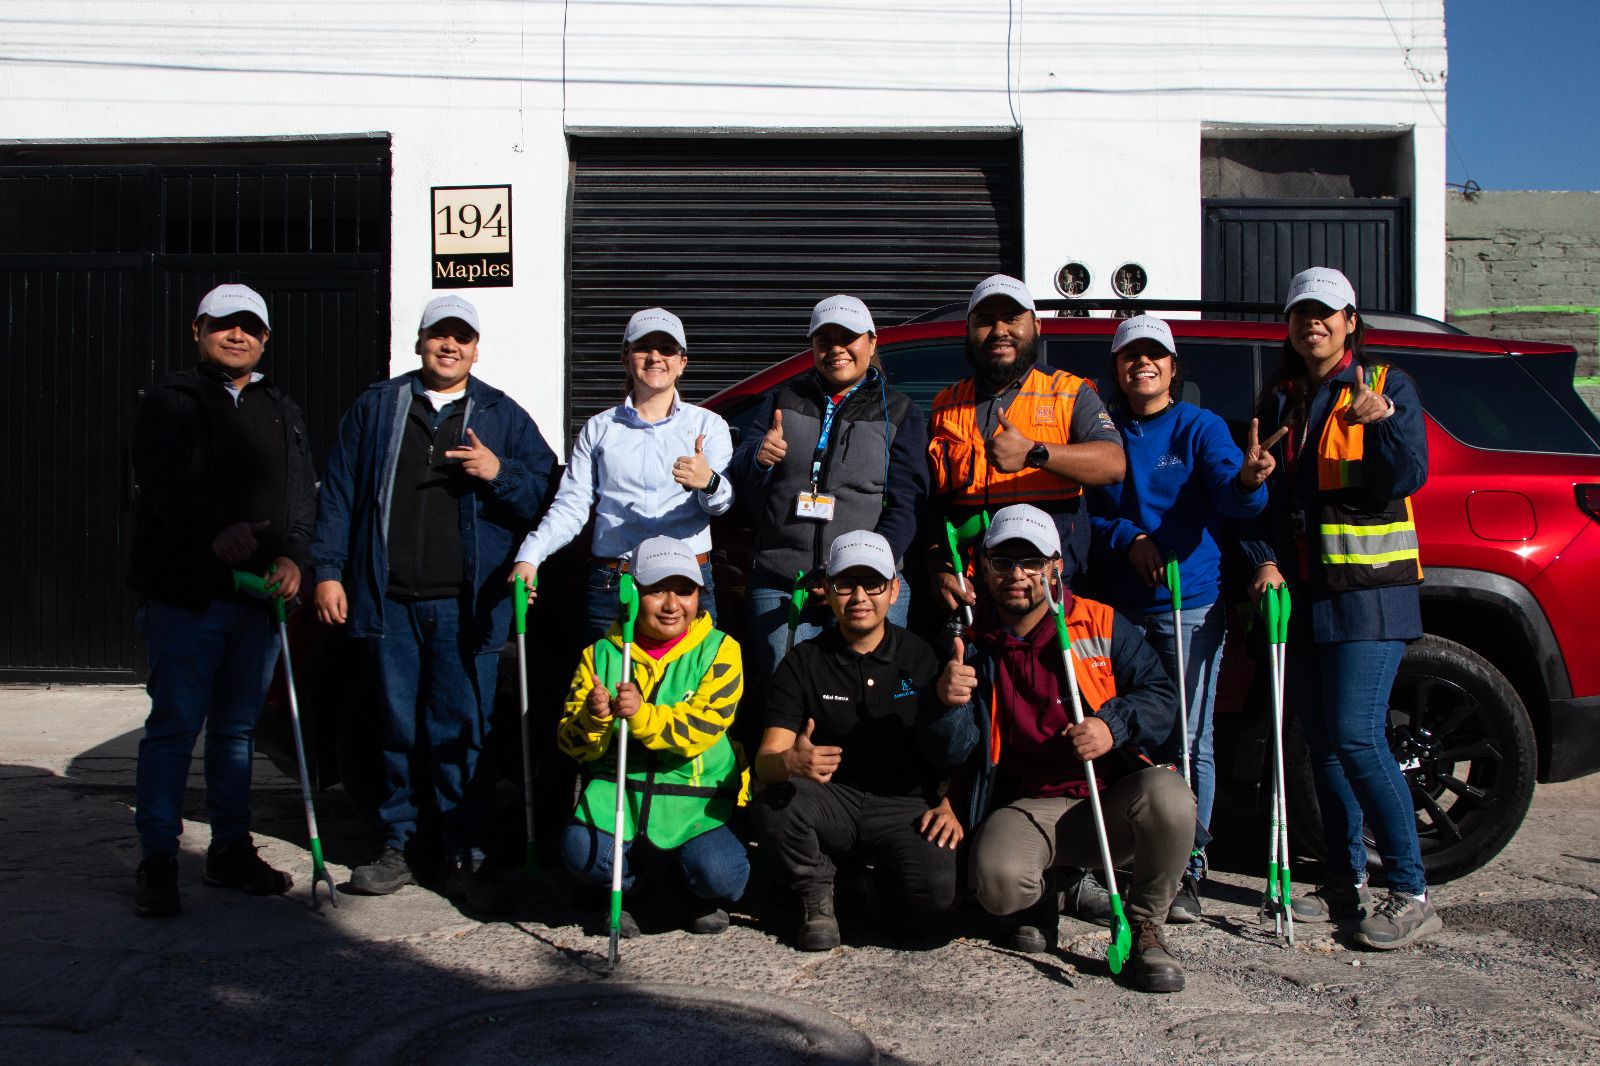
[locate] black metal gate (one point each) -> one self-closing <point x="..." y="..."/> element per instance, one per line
<point x="101" y="266"/>
<point x="1253" y="247"/>
<point x="742" y="237"/>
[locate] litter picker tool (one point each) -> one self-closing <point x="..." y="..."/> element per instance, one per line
<point x="519" y="615"/>
<point x="1175" y="590"/>
<point x="628" y="598"/>
<point x="797" y="604"/>
<point x="1121" y="945"/>
<point x="255" y="585"/>
<point x="955" y="536"/>
<point x="1274" y="608"/>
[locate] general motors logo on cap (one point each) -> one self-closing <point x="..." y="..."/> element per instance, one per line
<point x="1000" y="285"/>
<point x="1325" y="285"/>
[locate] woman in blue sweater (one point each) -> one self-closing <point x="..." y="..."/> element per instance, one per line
<point x="1185" y="479"/>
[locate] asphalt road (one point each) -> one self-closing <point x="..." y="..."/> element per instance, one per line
<point x="409" y="978"/>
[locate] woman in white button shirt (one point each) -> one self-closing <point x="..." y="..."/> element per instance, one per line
<point x="652" y="466"/>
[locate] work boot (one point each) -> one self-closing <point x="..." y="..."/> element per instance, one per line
<point x="477" y="886"/>
<point x="1154" y="968"/>
<point x="1085" y="898"/>
<point x="1186" y="904"/>
<point x="236" y="865"/>
<point x="1398" y="921"/>
<point x="388" y="874"/>
<point x="707" y="919"/>
<point x="1037" y="927"/>
<point x="819" y="928"/>
<point x="1332" y="903"/>
<point x="155" y="887"/>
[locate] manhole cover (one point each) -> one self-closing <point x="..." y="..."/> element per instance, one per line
<point x="618" y="1023"/>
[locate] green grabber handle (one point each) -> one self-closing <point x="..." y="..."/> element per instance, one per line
<point x="519" y="619"/>
<point x="1121" y="947"/>
<point x="628" y="599"/>
<point x="1282" y="639"/>
<point x="256" y="585"/>
<point x="797" y="598"/>
<point x="1269" y="609"/>
<point x="1175" y="593"/>
<point x="519" y="604"/>
<point x="955" y="536"/>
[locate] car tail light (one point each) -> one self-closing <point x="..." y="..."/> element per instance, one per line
<point x="1589" y="500"/>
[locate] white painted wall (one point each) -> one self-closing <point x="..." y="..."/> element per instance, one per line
<point x="1111" y="100"/>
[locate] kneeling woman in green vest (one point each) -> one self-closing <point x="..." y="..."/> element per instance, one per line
<point x="684" y="776"/>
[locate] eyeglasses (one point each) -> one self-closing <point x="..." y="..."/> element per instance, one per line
<point x="1002" y="564"/>
<point x="844" y="586"/>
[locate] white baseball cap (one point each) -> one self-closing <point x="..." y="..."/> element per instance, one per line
<point x="655" y="320"/>
<point x="225" y="300"/>
<point x="1143" y="328"/>
<point x="1000" y="285"/>
<point x="442" y="307"/>
<point x="844" y="311"/>
<point x="1325" y="285"/>
<point x="1024" y="522"/>
<point x="861" y="548"/>
<point x="662" y="557"/>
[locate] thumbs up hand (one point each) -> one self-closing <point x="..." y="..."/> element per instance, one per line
<point x="693" y="471"/>
<point x="236" y="543"/>
<point x="476" y="458"/>
<point x="1258" y="461"/>
<point x="819" y="762"/>
<point x="958" y="681"/>
<point x="1008" y="448"/>
<point x="1366" y="406"/>
<point x="773" y="448"/>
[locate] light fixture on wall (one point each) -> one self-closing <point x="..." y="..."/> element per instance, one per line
<point x="1129" y="280"/>
<point x="1073" y="280"/>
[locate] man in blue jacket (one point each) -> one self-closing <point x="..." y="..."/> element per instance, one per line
<point x="432" y="483"/>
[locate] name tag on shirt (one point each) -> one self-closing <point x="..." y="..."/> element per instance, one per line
<point x="817" y="506"/>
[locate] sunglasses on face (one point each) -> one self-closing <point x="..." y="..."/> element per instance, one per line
<point x="1004" y="564"/>
<point x="845" y="586"/>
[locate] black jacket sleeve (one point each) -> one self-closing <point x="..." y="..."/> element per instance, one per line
<point x="1146" y="704"/>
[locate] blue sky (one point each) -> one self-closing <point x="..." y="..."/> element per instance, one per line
<point x="1524" y="93"/>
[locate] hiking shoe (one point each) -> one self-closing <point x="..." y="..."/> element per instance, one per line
<point x="477" y="886"/>
<point x="1398" y="921"/>
<point x="819" y="928"/>
<point x="236" y="865"/>
<point x="1085" y="898"/>
<point x="707" y="919"/>
<point x="1185" y="906"/>
<point x="155" y="887"/>
<point x="1332" y="903"/>
<point x="1154" y="967"/>
<point x="388" y="874"/>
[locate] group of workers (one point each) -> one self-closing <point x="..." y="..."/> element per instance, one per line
<point x="934" y="763"/>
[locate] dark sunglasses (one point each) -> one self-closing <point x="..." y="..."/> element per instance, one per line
<point x="844" y="586"/>
<point x="1004" y="564"/>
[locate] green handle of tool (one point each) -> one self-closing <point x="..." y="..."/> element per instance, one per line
<point x="1121" y="947"/>
<point x="797" y="598"/>
<point x="955" y="545"/>
<point x="256" y="585"/>
<point x="1275" y="609"/>
<point x="1283" y="616"/>
<point x="519" y="604"/>
<point x="1174" y="582"/>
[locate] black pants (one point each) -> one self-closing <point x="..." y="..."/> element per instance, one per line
<point x="805" y="823"/>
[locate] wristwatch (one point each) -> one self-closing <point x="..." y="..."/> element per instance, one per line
<point x="711" y="486"/>
<point x="1038" y="455"/>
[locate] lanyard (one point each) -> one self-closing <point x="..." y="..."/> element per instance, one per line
<point x="827" y="430"/>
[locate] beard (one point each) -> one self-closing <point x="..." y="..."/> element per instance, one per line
<point x="995" y="377"/>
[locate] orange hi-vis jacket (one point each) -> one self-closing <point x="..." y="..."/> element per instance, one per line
<point x="961" y="473"/>
<point x="1363" y="542"/>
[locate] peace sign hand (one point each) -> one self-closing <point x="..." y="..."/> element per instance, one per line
<point x="692" y="471"/>
<point x="1258" y="461"/>
<point x="476" y="458"/>
<point x="1009" y="447"/>
<point x="1366" y="406"/>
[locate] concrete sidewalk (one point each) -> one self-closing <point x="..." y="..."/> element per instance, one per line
<point x="407" y="977"/>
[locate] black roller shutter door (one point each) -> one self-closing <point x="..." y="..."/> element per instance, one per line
<point x="741" y="237"/>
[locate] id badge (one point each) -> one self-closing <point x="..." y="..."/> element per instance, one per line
<point x="817" y="506"/>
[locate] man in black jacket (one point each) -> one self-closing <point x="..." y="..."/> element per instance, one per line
<point x="225" y="483"/>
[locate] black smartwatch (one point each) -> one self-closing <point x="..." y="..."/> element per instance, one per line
<point x="1038" y="455"/>
<point x="711" y="486"/>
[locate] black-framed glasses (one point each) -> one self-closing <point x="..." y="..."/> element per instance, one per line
<point x="1004" y="564"/>
<point x="844" y="586"/>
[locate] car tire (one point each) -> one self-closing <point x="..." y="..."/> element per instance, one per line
<point x="1463" y="736"/>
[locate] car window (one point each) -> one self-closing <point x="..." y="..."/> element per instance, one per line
<point x="921" y="369"/>
<point x="1218" y="375"/>
<point x="1492" y="402"/>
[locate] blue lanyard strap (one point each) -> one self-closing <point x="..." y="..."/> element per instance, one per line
<point x="827" y="431"/>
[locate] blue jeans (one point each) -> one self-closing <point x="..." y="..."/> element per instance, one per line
<point x="212" y="670"/>
<point x="600" y="599"/>
<point x="1341" y="693"/>
<point x="714" y="864"/>
<point x="767" y="640"/>
<point x="436" y="696"/>
<point x="1203" y="631"/>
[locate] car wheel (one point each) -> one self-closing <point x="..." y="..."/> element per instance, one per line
<point x="1464" y="742"/>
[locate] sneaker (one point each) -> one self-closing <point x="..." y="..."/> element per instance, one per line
<point x="1086" y="898"/>
<point x="1398" y="921"/>
<point x="236" y="865"/>
<point x="819" y="928"/>
<point x="1154" y="967"/>
<point x="477" y="886"/>
<point x="707" y="919"/>
<point x="1332" y="903"/>
<point x="1185" y="906"/>
<point x="155" y="887"/>
<point x="388" y="874"/>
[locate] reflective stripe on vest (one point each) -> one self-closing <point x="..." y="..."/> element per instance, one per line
<point x="1042" y="409"/>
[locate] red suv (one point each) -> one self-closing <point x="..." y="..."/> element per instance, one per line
<point x="1505" y="688"/>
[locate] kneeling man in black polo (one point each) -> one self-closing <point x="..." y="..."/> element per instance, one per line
<point x="853" y="751"/>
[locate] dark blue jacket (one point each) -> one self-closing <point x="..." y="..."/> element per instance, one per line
<point x="353" y="507"/>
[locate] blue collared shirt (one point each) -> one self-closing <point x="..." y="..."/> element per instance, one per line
<point x="621" y="466"/>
